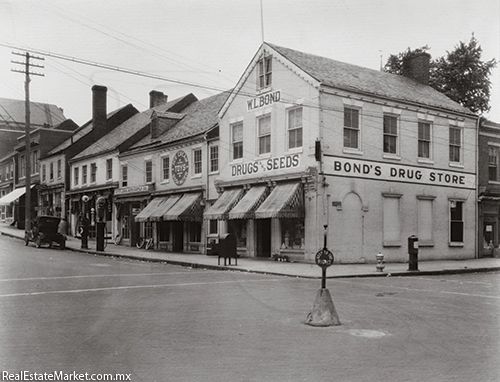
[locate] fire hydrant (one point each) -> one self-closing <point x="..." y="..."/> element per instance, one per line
<point x="380" y="262"/>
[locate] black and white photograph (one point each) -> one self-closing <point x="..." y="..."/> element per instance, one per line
<point x="250" y="191"/>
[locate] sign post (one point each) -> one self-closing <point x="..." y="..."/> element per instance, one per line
<point x="323" y="312"/>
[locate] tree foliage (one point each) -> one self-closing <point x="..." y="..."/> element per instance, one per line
<point x="460" y="74"/>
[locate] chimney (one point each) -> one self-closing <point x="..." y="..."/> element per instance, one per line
<point x="156" y="98"/>
<point x="417" y="67"/>
<point x="99" y="108"/>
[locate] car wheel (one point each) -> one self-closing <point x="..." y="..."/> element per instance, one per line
<point x="63" y="244"/>
<point x="38" y="242"/>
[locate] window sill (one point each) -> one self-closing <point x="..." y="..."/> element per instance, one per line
<point x="425" y="160"/>
<point x="214" y="172"/>
<point x="426" y="243"/>
<point x="391" y="156"/>
<point x="166" y="181"/>
<point x="295" y="150"/>
<point x="352" y="152"/>
<point x="196" y="176"/>
<point x="455" y="244"/>
<point x="392" y="243"/>
<point x="456" y="165"/>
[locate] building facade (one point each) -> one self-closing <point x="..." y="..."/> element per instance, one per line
<point x="314" y="148"/>
<point x="164" y="178"/>
<point x="489" y="189"/>
<point x="55" y="171"/>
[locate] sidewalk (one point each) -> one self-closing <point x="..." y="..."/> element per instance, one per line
<point x="298" y="269"/>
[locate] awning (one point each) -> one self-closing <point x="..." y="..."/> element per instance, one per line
<point x="152" y="206"/>
<point x="220" y="209"/>
<point x="285" y="201"/>
<point x="162" y="209"/>
<point x="16" y="194"/>
<point x="245" y="209"/>
<point x="188" y="208"/>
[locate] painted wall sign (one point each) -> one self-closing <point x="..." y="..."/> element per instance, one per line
<point x="264" y="100"/>
<point x="180" y="167"/>
<point x="266" y="165"/>
<point x="355" y="168"/>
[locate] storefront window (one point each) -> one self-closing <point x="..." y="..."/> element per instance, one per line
<point x="125" y="227"/>
<point x="194" y="232"/>
<point x="239" y="229"/>
<point x="292" y="233"/>
<point x="148" y="230"/>
<point x="164" y="230"/>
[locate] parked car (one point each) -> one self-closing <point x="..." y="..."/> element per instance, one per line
<point x="44" y="230"/>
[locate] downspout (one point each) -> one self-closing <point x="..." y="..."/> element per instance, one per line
<point x="478" y="126"/>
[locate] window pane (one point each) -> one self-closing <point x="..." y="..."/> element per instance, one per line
<point x="264" y="125"/>
<point x="238" y="132"/>
<point x="390" y="125"/>
<point x="389" y="144"/>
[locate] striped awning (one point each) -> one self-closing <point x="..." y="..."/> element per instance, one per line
<point x="14" y="195"/>
<point x="152" y="206"/>
<point x="245" y="209"/>
<point x="188" y="208"/>
<point x="162" y="209"/>
<point x="284" y="202"/>
<point x="220" y="209"/>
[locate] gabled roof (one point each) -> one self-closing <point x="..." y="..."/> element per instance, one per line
<point x="325" y="72"/>
<point x="132" y="130"/>
<point x="355" y="78"/>
<point x="199" y="118"/>
<point x="80" y="133"/>
<point x="13" y="114"/>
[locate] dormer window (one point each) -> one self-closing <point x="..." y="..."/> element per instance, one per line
<point x="265" y="72"/>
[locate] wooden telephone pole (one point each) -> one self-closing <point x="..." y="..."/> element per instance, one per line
<point x="26" y="71"/>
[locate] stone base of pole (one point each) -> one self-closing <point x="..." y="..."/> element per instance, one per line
<point x="323" y="312"/>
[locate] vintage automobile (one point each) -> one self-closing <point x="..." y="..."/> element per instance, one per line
<point x="44" y="230"/>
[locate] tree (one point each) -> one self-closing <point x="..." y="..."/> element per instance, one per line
<point x="461" y="74"/>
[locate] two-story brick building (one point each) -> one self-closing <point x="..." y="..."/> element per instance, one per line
<point x="309" y="142"/>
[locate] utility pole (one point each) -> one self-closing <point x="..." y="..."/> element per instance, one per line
<point x="26" y="71"/>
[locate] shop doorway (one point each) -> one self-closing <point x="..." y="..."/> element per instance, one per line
<point x="489" y="229"/>
<point x="177" y="236"/>
<point x="263" y="237"/>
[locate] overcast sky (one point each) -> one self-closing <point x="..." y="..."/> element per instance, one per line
<point x="210" y="43"/>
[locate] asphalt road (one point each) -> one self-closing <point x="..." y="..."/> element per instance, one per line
<point x="69" y="312"/>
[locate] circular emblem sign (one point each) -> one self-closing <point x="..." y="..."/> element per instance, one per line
<point x="324" y="258"/>
<point x="180" y="167"/>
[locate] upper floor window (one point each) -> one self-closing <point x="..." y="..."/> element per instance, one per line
<point x="59" y="169"/>
<point x="84" y="174"/>
<point x="109" y="169"/>
<point x="493" y="163"/>
<point x="93" y="173"/>
<point x="76" y="174"/>
<point x="295" y="128"/>
<point x="197" y="161"/>
<point x="149" y="171"/>
<point x="265" y="72"/>
<point x="351" y="128"/>
<point x="424" y="140"/>
<point x="51" y="176"/>
<point x="390" y="134"/>
<point x="23" y="166"/>
<point x="124" y="176"/>
<point x="237" y="140"/>
<point x="44" y="173"/>
<point x="455" y="144"/>
<point x="264" y="124"/>
<point x="35" y="163"/>
<point x="165" y="168"/>
<point x="214" y="158"/>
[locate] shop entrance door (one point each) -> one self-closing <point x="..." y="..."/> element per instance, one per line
<point x="177" y="236"/>
<point x="489" y="229"/>
<point x="263" y="237"/>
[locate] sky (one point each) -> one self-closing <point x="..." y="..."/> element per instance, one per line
<point x="203" y="47"/>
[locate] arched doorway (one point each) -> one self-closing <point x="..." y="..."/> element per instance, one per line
<point x="352" y="229"/>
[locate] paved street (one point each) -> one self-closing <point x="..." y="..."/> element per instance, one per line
<point x="67" y="311"/>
